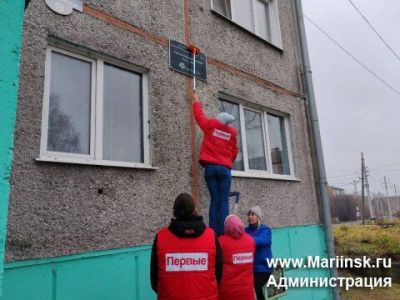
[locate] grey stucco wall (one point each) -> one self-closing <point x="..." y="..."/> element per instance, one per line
<point x="56" y="209"/>
<point x="220" y="39"/>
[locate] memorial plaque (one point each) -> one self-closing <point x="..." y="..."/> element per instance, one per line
<point x="181" y="60"/>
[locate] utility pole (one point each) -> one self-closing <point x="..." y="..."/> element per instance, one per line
<point x="387" y="200"/>
<point x="371" y="211"/>
<point x="356" y="199"/>
<point x="381" y="206"/>
<point x="397" y="200"/>
<point x="362" y="188"/>
<point x="355" y="188"/>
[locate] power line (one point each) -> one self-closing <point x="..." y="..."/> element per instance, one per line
<point x="349" y="172"/>
<point x="372" y="27"/>
<point x="341" y="180"/>
<point x="352" y="56"/>
<point x="340" y="176"/>
<point x="344" y="180"/>
<point x="343" y="170"/>
<point x="386" y="170"/>
<point x="338" y="172"/>
<point x="343" y="184"/>
<point x="387" y="165"/>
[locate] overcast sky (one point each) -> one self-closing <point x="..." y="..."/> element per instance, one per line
<point x="357" y="112"/>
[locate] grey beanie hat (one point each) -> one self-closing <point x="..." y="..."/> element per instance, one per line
<point x="257" y="211"/>
<point x="225" y="118"/>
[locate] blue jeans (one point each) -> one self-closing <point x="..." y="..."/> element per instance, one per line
<point x="218" y="179"/>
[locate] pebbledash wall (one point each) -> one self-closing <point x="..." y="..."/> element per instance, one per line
<point x="80" y="228"/>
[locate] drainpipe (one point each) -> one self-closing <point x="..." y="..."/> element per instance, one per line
<point x="322" y="180"/>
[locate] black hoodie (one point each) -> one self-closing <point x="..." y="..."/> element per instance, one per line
<point x="185" y="228"/>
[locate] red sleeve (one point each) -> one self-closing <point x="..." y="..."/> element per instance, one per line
<point x="235" y="148"/>
<point x="200" y="117"/>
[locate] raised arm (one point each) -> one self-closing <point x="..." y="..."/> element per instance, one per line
<point x="199" y="115"/>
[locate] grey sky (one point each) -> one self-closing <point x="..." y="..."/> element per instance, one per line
<point x="357" y="112"/>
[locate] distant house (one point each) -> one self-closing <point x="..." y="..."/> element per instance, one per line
<point x="384" y="206"/>
<point x="335" y="191"/>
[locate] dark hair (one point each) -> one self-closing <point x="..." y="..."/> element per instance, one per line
<point x="184" y="206"/>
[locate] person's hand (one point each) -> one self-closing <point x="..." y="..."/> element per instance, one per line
<point x="196" y="97"/>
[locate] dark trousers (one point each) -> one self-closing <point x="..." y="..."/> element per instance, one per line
<point x="218" y="179"/>
<point x="260" y="279"/>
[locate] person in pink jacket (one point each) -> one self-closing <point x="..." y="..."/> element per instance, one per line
<point x="238" y="255"/>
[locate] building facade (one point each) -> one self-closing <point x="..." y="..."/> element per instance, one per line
<point x="105" y="139"/>
<point x="335" y="191"/>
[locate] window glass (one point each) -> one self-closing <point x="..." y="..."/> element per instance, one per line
<point x="233" y="109"/>
<point x="116" y="134"/>
<point x="122" y="115"/>
<point x="273" y="290"/>
<point x="69" y="105"/>
<point x="262" y="19"/>
<point x="255" y="140"/>
<point x="257" y="16"/>
<point x="223" y="7"/>
<point x="243" y="13"/>
<point x="278" y="145"/>
<point x="256" y="125"/>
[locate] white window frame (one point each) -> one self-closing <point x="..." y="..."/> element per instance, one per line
<point x="258" y="173"/>
<point x="274" y="23"/>
<point x="95" y="157"/>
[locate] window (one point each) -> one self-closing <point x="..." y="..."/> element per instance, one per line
<point x="272" y="291"/>
<point x="94" y="112"/>
<point x="253" y="126"/>
<point x="263" y="140"/>
<point x="277" y="139"/>
<point x="222" y="7"/>
<point x="257" y="16"/>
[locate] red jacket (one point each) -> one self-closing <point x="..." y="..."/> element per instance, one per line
<point x="237" y="278"/>
<point x="219" y="142"/>
<point x="186" y="266"/>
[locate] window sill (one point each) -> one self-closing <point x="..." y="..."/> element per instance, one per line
<point x="280" y="49"/>
<point x="262" y="175"/>
<point x="106" y="163"/>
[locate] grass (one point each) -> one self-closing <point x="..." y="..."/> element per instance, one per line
<point x="370" y="240"/>
<point x="373" y="241"/>
<point x="377" y="293"/>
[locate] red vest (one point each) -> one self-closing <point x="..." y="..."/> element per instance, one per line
<point x="186" y="266"/>
<point x="237" y="279"/>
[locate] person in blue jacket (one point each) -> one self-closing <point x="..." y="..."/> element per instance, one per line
<point x="263" y="239"/>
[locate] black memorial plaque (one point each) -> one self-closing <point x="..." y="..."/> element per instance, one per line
<point x="181" y="60"/>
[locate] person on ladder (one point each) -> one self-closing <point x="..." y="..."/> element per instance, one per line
<point x="217" y="155"/>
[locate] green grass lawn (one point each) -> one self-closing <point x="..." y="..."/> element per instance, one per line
<point x="373" y="241"/>
<point x="370" y="240"/>
<point x="391" y="293"/>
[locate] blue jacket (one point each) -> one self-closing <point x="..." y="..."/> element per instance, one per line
<point x="263" y="239"/>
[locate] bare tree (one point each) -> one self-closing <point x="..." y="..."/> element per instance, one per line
<point x="343" y="207"/>
<point x="62" y="136"/>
